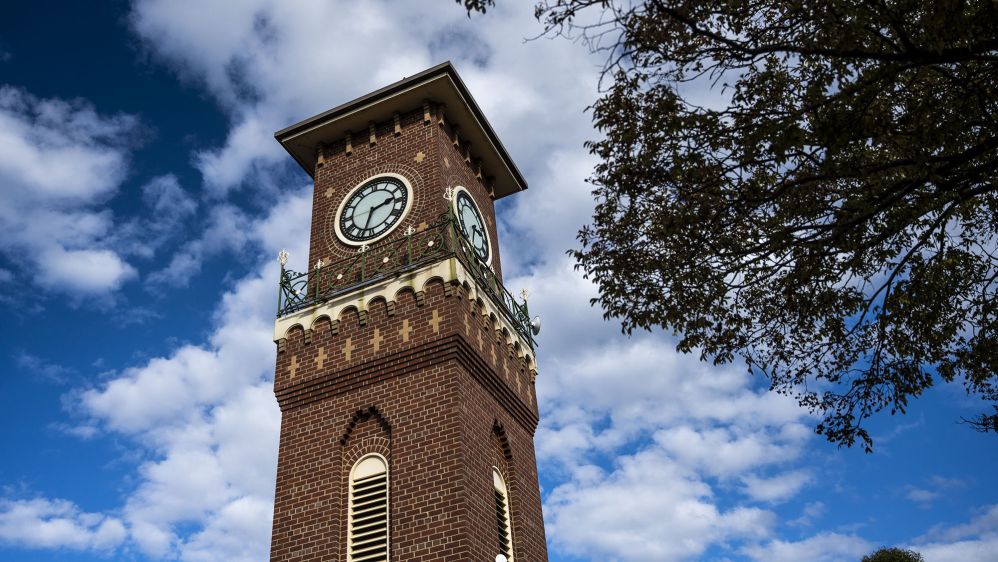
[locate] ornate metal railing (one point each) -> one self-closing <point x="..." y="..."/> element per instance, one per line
<point x="441" y="240"/>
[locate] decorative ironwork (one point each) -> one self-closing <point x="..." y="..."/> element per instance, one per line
<point x="417" y="248"/>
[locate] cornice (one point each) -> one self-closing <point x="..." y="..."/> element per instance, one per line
<point x="449" y="271"/>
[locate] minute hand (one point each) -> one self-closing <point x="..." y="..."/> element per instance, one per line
<point x="370" y="212"/>
<point x="477" y="231"/>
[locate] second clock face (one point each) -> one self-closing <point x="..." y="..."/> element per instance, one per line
<point x="472" y="224"/>
<point x="373" y="209"/>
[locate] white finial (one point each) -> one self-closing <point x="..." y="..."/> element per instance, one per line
<point x="524" y="294"/>
<point x="501" y="558"/>
<point x="318" y="264"/>
<point x="449" y="194"/>
<point x="282" y="256"/>
<point x="362" y="249"/>
<point x="409" y="231"/>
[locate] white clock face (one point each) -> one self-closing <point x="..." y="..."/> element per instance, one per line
<point x="373" y="209"/>
<point x="472" y="224"/>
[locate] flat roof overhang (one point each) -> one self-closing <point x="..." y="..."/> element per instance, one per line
<point x="439" y="84"/>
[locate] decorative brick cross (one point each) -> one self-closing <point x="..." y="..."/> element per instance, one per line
<point x="406" y="330"/>
<point x="293" y="367"/>
<point x="321" y="357"/>
<point x="419" y="156"/>
<point x="348" y="348"/>
<point x="435" y="322"/>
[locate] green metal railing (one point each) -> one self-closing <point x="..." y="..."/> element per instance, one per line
<point x="417" y="248"/>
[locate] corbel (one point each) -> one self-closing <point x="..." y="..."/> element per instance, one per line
<point x="320" y="156"/>
<point x="440" y="114"/>
<point x="308" y="336"/>
<point x="362" y="317"/>
<point x="398" y="124"/>
<point x="467" y="152"/>
<point x="420" y="298"/>
<point x="456" y="135"/>
<point x="349" y="141"/>
<point x="334" y="327"/>
<point x="372" y="133"/>
<point x="282" y="345"/>
<point x="390" y="305"/>
<point x="426" y="112"/>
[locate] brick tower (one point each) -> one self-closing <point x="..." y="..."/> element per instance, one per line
<point x="405" y="369"/>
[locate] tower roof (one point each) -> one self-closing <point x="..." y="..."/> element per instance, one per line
<point x="439" y="84"/>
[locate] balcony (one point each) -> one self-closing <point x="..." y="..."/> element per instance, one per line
<point x="383" y="261"/>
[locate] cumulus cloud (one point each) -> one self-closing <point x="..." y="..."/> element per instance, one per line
<point x="823" y="547"/>
<point x="650" y="507"/>
<point x="59" y="162"/>
<point x="267" y="65"/>
<point x="44" y="523"/>
<point x="777" y="488"/>
<point x="206" y="418"/>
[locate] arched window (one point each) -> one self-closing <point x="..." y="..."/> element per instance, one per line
<point x="504" y="527"/>
<point x="368" y="519"/>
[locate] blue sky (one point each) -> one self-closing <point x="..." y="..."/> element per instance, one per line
<point x="143" y="201"/>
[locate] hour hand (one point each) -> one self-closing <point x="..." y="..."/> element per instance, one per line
<point x="370" y="212"/>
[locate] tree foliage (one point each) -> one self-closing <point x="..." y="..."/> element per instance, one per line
<point x="807" y="186"/>
<point x="894" y="554"/>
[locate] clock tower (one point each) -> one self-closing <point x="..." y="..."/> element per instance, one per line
<point x="405" y="368"/>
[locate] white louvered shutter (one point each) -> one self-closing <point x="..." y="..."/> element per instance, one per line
<point x="504" y="529"/>
<point x="368" y="530"/>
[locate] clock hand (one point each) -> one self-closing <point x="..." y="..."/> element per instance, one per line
<point x="370" y="212"/>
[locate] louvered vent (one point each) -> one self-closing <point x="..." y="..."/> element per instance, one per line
<point x="368" y="541"/>
<point x="503" y="527"/>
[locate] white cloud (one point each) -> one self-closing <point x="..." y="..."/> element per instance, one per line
<point x="85" y="271"/>
<point x="269" y="63"/>
<point x="938" y="486"/>
<point x="978" y="550"/>
<point x="778" y="488"/>
<point x="43" y="523"/>
<point x="974" y="541"/>
<point x="225" y="230"/>
<point x="984" y="524"/>
<point x="648" y="508"/>
<point x="811" y="512"/>
<point x="37" y="366"/>
<point x="920" y="495"/>
<point x="59" y="162"/>
<point x="823" y="547"/>
<point x="206" y="418"/>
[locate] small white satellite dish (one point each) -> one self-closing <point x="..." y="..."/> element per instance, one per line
<point x="501" y="558"/>
<point x="535" y="325"/>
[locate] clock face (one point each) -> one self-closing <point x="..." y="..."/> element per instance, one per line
<point x="472" y="224"/>
<point x="373" y="209"/>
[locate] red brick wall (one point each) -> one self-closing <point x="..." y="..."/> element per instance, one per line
<point x="441" y="165"/>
